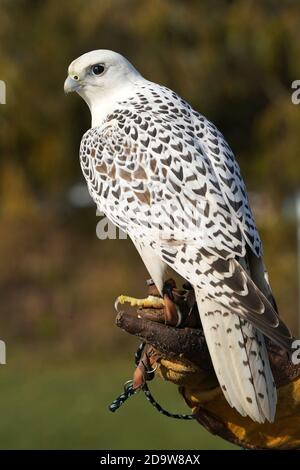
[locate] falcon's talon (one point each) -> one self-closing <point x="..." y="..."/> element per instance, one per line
<point x="172" y="312"/>
<point x="168" y="292"/>
<point x="116" y="304"/>
<point x="148" y="302"/>
<point x="168" y="289"/>
<point x="187" y="286"/>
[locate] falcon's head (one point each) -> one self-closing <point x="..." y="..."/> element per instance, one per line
<point x="98" y="75"/>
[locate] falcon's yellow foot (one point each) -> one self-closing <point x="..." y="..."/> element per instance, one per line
<point x="156" y="308"/>
<point x="149" y="302"/>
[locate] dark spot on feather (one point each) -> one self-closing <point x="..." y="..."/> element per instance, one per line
<point x="144" y="126"/>
<point x="166" y="139"/>
<point x="215" y="150"/>
<point x="177" y="147"/>
<point x="187" y="157"/>
<point x="143" y="197"/>
<point x="167" y="161"/>
<point x="134" y="133"/>
<point x="152" y="132"/>
<point x="145" y="143"/>
<point x="140" y="173"/>
<point x="153" y="164"/>
<point x="236" y="205"/>
<point x="112" y="172"/>
<point x="101" y="168"/>
<point x="175" y="186"/>
<point x="201" y="191"/>
<point x="125" y="175"/>
<point x="158" y="149"/>
<point x="262" y="373"/>
<point x="168" y="253"/>
<point x="178" y="174"/>
<point x="191" y="178"/>
<point x="116" y="193"/>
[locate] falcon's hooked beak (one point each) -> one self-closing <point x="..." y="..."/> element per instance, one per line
<point x="71" y="85"/>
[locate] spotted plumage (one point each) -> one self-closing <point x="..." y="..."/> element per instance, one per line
<point x="165" y="175"/>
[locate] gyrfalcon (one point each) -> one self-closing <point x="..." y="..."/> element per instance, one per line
<point x="165" y="175"/>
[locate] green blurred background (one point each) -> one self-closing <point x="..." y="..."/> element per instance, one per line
<point x="66" y="361"/>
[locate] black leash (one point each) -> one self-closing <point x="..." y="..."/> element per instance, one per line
<point x="129" y="391"/>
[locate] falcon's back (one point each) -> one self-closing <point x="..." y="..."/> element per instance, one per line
<point x="155" y="138"/>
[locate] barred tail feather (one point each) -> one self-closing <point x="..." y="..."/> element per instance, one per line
<point x="240" y="360"/>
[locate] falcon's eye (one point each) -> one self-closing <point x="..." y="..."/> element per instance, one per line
<point x="97" y="69"/>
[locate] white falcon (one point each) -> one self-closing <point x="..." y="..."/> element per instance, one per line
<point x="164" y="174"/>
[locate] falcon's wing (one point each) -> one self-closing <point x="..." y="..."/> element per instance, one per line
<point x="230" y="182"/>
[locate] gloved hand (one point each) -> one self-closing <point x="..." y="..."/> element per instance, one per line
<point x="180" y="355"/>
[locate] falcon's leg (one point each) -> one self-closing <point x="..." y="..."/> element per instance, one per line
<point x="158" y="272"/>
<point x="155" y="266"/>
<point x="167" y="289"/>
<point x="157" y="269"/>
<point x="172" y="313"/>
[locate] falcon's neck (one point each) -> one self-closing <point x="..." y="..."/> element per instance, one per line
<point x="104" y="104"/>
